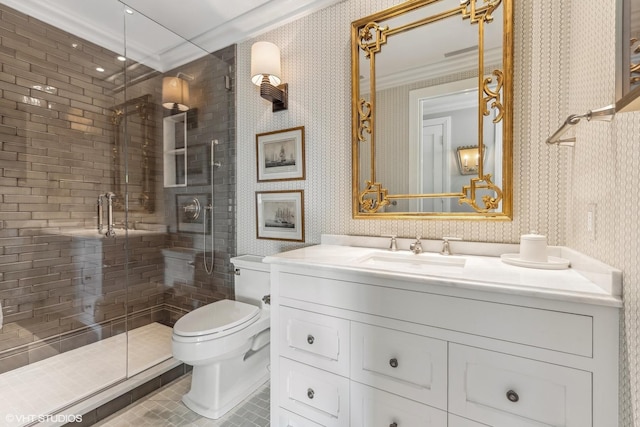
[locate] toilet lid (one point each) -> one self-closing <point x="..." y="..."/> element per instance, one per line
<point x="216" y="317"/>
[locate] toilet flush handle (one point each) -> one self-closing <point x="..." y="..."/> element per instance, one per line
<point x="237" y="271"/>
<point x="266" y="299"/>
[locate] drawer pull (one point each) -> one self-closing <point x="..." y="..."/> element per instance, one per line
<point x="310" y="339"/>
<point x="310" y="393"/>
<point x="512" y="396"/>
<point x="393" y="362"/>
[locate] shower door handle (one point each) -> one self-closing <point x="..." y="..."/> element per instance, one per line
<point x="110" y="225"/>
<point x="100" y="226"/>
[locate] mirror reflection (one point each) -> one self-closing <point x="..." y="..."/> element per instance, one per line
<point x="634" y="44"/>
<point x="416" y="102"/>
<point x="628" y="64"/>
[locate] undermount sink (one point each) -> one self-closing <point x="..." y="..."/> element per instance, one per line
<point x="408" y="261"/>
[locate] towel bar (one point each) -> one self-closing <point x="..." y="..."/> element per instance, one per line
<point x="604" y="113"/>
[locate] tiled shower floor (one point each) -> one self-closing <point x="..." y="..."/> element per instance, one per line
<point x="51" y="384"/>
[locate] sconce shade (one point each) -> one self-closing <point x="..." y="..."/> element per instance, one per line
<point x="265" y="61"/>
<point x="175" y="93"/>
<point x="468" y="158"/>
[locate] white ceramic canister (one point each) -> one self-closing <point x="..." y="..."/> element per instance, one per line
<point x="533" y="247"/>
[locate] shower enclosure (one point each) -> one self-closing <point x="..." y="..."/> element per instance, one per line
<point x="101" y="165"/>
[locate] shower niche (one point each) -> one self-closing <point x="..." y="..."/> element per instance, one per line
<point x="183" y="165"/>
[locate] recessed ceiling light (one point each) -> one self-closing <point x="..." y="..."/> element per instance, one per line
<point x="121" y="58"/>
<point x="129" y="11"/>
<point x="100" y="69"/>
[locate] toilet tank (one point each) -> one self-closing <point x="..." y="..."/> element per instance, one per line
<point x="251" y="278"/>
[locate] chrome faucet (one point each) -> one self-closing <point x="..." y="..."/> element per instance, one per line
<point x="446" y="249"/>
<point x="393" y="245"/>
<point x="416" y="247"/>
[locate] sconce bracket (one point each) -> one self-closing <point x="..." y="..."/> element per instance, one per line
<point x="279" y="96"/>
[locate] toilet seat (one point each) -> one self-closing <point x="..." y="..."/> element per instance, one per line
<point x="220" y="316"/>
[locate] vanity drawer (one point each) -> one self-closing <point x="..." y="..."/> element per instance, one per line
<point x="554" y="330"/>
<point x="505" y="391"/>
<point x="289" y="419"/>
<point x="410" y="365"/>
<point x="372" y="408"/>
<point x="456" y="421"/>
<point x="315" y="394"/>
<point x="315" y="339"/>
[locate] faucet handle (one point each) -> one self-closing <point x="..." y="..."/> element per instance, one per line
<point x="393" y="245"/>
<point x="445" y="245"/>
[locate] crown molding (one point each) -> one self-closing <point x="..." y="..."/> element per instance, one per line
<point x="99" y="29"/>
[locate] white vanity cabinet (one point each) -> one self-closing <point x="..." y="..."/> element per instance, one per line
<point x="365" y="349"/>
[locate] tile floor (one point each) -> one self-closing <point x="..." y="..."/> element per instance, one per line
<point x="54" y="383"/>
<point x="163" y="408"/>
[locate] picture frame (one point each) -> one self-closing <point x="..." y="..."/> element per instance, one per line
<point x="280" y="215"/>
<point x="187" y="219"/>
<point x="280" y="155"/>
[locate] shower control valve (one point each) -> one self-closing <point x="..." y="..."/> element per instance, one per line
<point x="192" y="209"/>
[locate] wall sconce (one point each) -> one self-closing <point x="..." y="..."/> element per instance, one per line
<point x="175" y="93"/>
<point x="468" y="158"/>
<point x="265" y="72"/>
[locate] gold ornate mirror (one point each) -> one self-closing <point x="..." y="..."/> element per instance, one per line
<point x="432" y="110"/>
<point x="628" y="55"/>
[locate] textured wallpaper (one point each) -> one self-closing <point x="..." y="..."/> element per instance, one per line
<point x="316" y="64"/>
<point x="602" y="171"/>
<point x="559" y="69"/>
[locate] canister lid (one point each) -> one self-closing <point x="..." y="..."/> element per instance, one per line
<point x="533" y="236"/>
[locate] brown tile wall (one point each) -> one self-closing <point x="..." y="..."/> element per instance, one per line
<point x="215" y="105"/>
<point x="56" y="141"/>
<point x="60" y="290"/>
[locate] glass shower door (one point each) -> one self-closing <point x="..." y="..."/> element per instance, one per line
<point x="155" y="156"/>
<point x="179" y="126"/>
<point x="62" y="294"/>
<point x="84" y="120"/>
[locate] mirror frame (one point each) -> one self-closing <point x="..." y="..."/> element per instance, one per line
<point x="627" y="99"/>
<point x="366" y="35"/>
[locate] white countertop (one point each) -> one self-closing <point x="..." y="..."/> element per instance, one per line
<point x="588" y="281"/>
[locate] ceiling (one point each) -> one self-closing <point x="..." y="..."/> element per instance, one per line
<point x="164" y="34"/>
<point x="445" y="46"/>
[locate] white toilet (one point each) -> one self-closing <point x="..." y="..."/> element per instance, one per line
<point x="227" y="342"/>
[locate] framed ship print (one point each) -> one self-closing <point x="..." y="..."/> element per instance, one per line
<point x="280" y="215"/>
